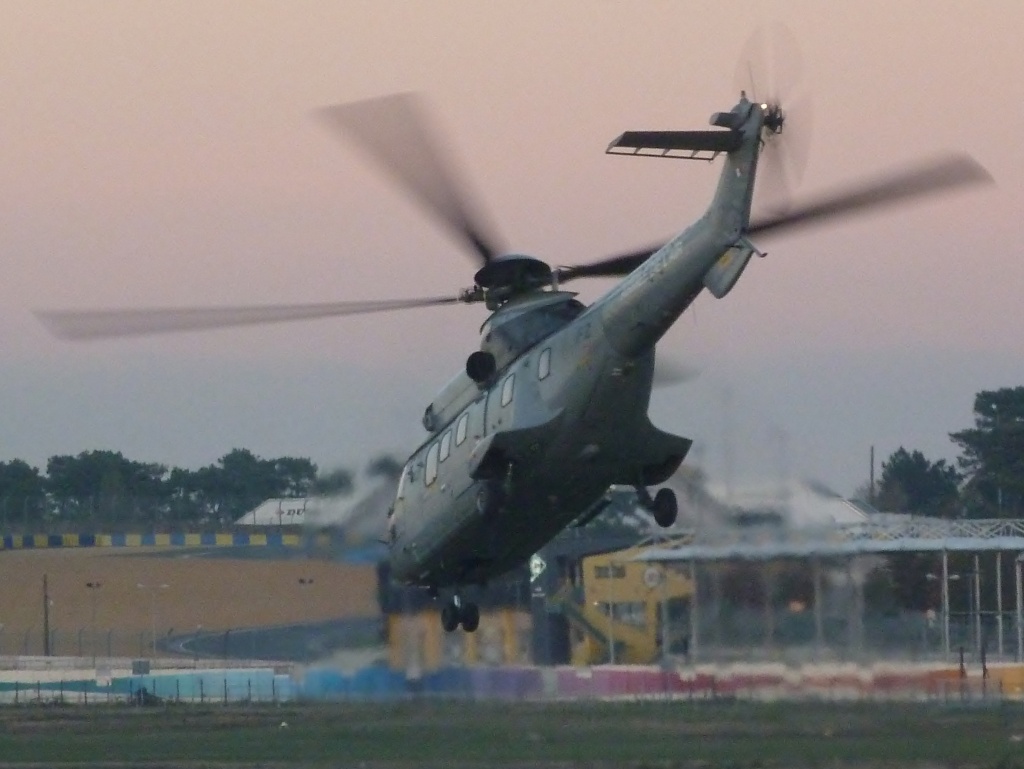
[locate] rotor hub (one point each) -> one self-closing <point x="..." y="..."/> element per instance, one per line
<point x="513" y="271"/>
<point x="774" y="117"/>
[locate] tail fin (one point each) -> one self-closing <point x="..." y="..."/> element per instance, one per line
<point x="737" y="134"/>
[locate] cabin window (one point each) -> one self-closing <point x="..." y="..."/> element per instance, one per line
<point x="446" y="445"/>
<point x="461" y="428"/>
<point x="544" y="364"/>
<point x="507" y="390"/>
<point x="431" y="472"/>
<point x="406" y="473"/>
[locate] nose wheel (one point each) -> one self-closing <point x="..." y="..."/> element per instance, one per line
<point x="458" y="612"/>
<point x="662" y="506"/>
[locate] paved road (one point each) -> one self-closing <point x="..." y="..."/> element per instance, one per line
<point x="305" y="642"/>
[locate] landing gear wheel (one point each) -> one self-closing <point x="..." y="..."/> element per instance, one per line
<point x="470" y="617"/>
<point x="665" y="508"/>
<point x="449" y="616"/>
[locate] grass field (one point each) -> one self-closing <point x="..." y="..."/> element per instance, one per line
<point x="430" y="733"/>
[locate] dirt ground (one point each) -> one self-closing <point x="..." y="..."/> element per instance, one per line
<point x="182" y="591"/>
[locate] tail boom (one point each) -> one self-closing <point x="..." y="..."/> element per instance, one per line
<point x="638" y="312"/>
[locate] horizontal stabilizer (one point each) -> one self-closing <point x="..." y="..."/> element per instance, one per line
<point x="702" y="145"/>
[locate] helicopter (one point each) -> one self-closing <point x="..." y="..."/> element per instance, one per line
<point x="551" y="410"/>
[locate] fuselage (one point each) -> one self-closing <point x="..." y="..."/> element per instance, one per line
<point x="554" y="430"/>
<point x="565" y="415"/>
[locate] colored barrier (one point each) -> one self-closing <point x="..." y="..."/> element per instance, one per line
<point x="630" y="682"/>
<point x="378" y="682"/>
<point x="125" y="539"/>
<point x="221" y="686"/>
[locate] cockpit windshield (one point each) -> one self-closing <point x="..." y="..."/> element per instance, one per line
<point x="510" y="332"/>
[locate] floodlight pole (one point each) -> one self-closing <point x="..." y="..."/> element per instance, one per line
<point x="945" y="604"/>
<point x="46" y="617"/>
<point x="977" y="604"/>
<point x="152" y="608"/>
<point x="999" y="603"/>
<point x="611" y="633"/>
<point x="93" y="588"/>
<point x="694" y="612"/>
<point x="1018" y="566"/>
<point x="819" y="627"/>
<point x="664" y="614"/>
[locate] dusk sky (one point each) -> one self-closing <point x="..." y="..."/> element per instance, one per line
<point x="166" y="154"/>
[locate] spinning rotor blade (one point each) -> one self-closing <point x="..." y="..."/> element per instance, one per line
<point x="108" y="324"/>
<point x="396" y="132"/>
<point x="615" y="266"/>
<point x="770" y="71"/>
<point x="927" y="179"/>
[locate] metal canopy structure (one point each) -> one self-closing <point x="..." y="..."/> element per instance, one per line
<point x="879" y="535"/>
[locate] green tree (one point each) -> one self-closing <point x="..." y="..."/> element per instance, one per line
<point x="992" y="454"/>
<point x="103" y="486"/>
<point x="239" y="481"/>
<point x="910" y="483"/>
<point x="22" y="491"/>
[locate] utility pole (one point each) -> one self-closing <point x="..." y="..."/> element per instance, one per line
<point x="46" y="617"/>
<point x="152" y="608"/>
<point x="93" y="588"/>
<point x="871" y="479"/>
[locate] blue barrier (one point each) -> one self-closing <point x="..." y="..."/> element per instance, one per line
<point x="375" y="682"/>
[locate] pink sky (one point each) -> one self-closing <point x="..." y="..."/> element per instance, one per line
<point x="164" y="154"/>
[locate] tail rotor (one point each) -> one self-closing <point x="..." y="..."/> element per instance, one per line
<point x="770" y="71"/>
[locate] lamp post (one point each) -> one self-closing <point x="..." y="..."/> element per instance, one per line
<point x="1018" y="578"/>
<point x="999" y="485"/>
<point x="152" y="608"/>
<point x="972" y="580"/>
<point x="93" y="588"/>
<point x="950" y="578"/>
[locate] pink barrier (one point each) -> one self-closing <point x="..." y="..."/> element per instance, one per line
<point x="627" y="681"/>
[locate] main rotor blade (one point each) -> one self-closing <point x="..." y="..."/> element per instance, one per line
<point x="107" y="324"/>
<point x="927" y="179"/>
<point x="395" y="131"/>
<point x="607" y="268"/>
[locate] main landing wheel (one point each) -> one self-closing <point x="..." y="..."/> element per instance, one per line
<point x="449" y="616"/>
<point x="456" y="612"/>
<point x="665" y="508"/>
<point x="470" y="617"/>
<point x="462" y="613"/>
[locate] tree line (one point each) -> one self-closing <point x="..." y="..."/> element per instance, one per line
<point x="987" y="480"/>
<point x="105" y="487"/>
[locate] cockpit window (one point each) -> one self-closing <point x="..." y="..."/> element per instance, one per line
<point x="446" y="445"/>
<point x="518" y="333"/>
<point x="461" y="429"/>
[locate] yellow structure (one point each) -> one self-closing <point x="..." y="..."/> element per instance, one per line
<point x="617" y="612"/>
<point x="417" y="643"/>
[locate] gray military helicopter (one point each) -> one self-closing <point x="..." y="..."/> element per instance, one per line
<point x="552" y="409"/>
